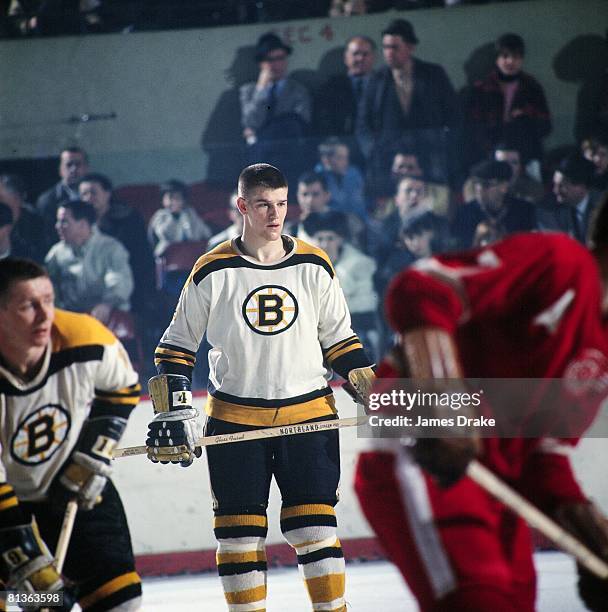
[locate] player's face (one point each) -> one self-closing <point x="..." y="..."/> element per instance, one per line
<point x="396" y="51"/>
<point x="510" y="63"/>
<point x="359" y="57"/>
<point x="72" y="166"/>
<point x="264" y="212"/>
<point x="96" y="195"/>
<point x="26" y="315"/>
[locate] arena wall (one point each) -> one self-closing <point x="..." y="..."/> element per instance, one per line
<point x="170" y="90"/>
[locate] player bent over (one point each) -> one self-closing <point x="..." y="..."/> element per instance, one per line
<point x="527" y="307"/>
<point x="277" y="321"/>
<point x="66" y="390"/>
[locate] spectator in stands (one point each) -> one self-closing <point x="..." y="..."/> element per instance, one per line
<point x="407" y="162"/>
<point x="408" y="102"/>
<point x="600" y="161"/>
<point x="355" y="271"/>
<point x="6" y="225"/>
<point x="313" y="196"/>
<point x="570" y="207"/>
<point x="73" y="165"/>
<point x="28" y="238"/>
<point x="493" y="214"/>
<point x="276" y="109"/>
<point x="338" y="99"/>
<point x="90" y="271"/>
<point x="124" y="223"/>
<point x="234" y="229"/>
<point x="508" y="104"/>
<point x="522" y="185"/>
<point x="344" y="181"/>
<point x="176" y="221"/>
<point x="410" y="200"/>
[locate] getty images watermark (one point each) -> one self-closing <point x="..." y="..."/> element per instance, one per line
<point x="499" y="407"/>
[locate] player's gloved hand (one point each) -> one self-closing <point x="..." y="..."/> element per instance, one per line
<point x="85" y="475"/>
<point x="173" y="433"/>
<point x="359" y="385"/>
<point x="27" y="566"/>
<point x="446" y="458"/>
<point x="585" y="522"/>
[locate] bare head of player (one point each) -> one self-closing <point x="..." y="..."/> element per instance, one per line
<point x="262" y="200"/>
<point x="27" y="311"/>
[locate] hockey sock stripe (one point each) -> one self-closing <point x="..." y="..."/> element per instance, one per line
<point x="323" y="553"/>
<point x="254" y="595"/>
<point x="129" y="582"/>
<point x="327" y="589"/>
<point x="288" y="512"/>
<point x="231" y="569"/>
<point x="250" y="556"/>
<point x="305" y="548"/>
<point x="239" y="520"/>
<point x="299" y="522"/>
<point x="239" y="532"/>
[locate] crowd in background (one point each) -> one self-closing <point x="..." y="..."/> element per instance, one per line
<point x="400" y="167"/>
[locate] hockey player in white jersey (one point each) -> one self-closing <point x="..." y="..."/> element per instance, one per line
<point x="66" y="390"/>
<point x="277" y="323"/>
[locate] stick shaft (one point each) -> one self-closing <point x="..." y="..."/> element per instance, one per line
<point x="535" y="518"/>
<point x="65" y="534"/>
<point x="257" y="434"/>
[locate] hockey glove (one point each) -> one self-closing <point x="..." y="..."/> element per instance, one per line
<point x="585" y="522"/>
<point x="85" y="475"/>
<point x="172" y="434"/>
<point x="359" y="385"/>
<point x="27" y="566"/>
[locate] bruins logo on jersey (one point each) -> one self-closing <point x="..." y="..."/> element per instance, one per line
<point x="40" y="434"/>
<point x="270" y="309"/>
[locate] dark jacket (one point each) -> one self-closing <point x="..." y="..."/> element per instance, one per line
<point x="484" y="109"/>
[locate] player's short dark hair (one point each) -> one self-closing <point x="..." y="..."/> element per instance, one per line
<point x="510" y="43"/>
<point x="14" y="269"/>
<point x="174" y="186"/>
<point x="260" y="175"/>
<point x="80" y="210"/>
<point x="97" y="177"/>
<point x="308" y="178"/>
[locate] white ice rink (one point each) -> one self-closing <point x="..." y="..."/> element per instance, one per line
<point x="370" y="587"/>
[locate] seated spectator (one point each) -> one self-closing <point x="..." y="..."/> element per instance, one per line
<point x="355" y="271"/>
<point x="407" y="162"/>
<point x="73" y="165"/>
<point x="493" y="214"/>
<point x="176" y="221"/>
<point x="28" y="238"/>
<point x="234" y="229"/>
<point x="410" y="199"/>
<point x="522" y="186"/>
<point x="600" y="161"/>
<point x="570" y="207"/>
<point x="6" y="225"/>
<point x="508" y="104"/>
<point x="313" y="196"/>
<point x="345" y="182"/>
<point x="124" y="223"/>
<point x="275" y="110"/>
<point x="90" y="271"/>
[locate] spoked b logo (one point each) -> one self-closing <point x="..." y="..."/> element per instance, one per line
<point x="270" y="309"/>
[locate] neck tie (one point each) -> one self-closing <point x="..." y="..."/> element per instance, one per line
<point x="272" y="100"/>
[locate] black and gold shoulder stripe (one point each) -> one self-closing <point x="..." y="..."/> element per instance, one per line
<point x="115" y="403"/>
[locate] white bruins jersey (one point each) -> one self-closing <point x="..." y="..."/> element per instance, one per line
<point x="274" y="329"/>
<point x="41" y="419"/>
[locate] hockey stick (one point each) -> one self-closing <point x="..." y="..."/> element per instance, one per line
<point x="535" y="518"/>
<point x="257" y="434"/>
<point x="65" y="534"/>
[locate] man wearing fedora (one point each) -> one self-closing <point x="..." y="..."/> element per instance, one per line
<point x="408" y="102"/>
<point x="276" y="109"/>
